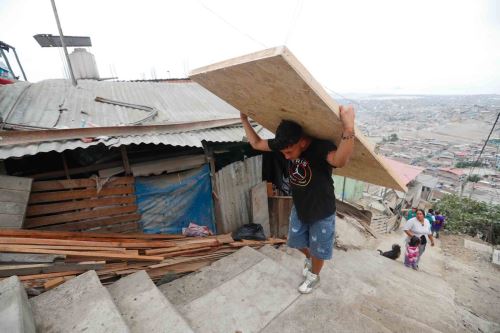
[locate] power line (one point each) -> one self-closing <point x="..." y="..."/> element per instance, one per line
<point x="347" y="99"/>
<point x="295" y="17"/>
<point x="484" y="146"/>
<point x="232" y="26"/>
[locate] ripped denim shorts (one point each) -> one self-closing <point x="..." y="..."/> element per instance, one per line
<point x="318" y="236"/>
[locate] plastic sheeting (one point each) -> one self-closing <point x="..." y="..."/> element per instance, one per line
<point x="169" y="203"/>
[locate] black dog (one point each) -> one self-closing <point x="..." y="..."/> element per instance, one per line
<point x="392" y="254"/>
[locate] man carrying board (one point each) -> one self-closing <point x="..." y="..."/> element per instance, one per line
<point x="310" y="163"/>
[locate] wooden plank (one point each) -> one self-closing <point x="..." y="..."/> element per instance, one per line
<point x="89" y="235"/>
<point x="182" y="247"/>
<point x="185" y="252"/>
<point x="272" y="85"/>
<point x="68" y="247"/>
<point x="97" y="254"/>
<point x="33" y="222"/>
<point x="132" y="226"/>
<point x="8" y="138"/>
<point x="79" y="194"/>
<point x="52" y="241"/>
<point x="89" y="224"/>
<point x="6" y="271"/>
<point x="15" y="183"/>
<point x="48" y="275"/>
<point x="279" y="214"/>
<point x="126" y="163"/>
<point x="260" y="208"/>
<point x="52" y="283"/>
<point x="246" y="242"/>
<point x="224" y="238"/>
<point x="51" y="185"/>
<point x="58" y="207"/>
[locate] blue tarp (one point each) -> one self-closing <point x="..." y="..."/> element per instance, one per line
<point x="169" y="203"/>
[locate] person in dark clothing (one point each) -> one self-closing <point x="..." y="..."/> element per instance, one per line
<point x="438" y="224"/>
<point x="310" y="164"/>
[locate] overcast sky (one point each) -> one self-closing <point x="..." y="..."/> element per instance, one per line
<point x="350" y="46"/>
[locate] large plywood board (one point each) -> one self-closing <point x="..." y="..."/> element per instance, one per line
<point x="272" y="85"/>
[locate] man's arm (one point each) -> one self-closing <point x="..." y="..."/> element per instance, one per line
<point x="253" y="138"/>
<point x="341" y="156"/>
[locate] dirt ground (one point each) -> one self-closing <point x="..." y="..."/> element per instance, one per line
<point x="474" y="278"/>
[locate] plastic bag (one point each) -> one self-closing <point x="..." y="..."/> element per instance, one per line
<point x="251" y="231"/>
<point x="194" y="230"/>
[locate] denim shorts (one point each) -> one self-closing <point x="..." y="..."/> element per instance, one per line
<point x="318" y="236"/>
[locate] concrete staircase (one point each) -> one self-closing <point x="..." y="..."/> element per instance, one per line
<point x="248" y="291"/>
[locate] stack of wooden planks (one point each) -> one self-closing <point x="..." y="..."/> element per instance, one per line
<point x="96" y="204"/>
<point x="111" y="255"/>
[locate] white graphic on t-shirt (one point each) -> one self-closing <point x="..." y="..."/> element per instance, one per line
<point x="300" y="172"/>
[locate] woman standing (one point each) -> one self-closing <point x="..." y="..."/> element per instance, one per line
<point x="419" y="226"/>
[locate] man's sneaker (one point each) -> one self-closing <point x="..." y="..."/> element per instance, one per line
<point x="311" y="281"/>
<point x="307" y="266"/>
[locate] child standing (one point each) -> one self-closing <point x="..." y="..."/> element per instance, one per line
<point x="412" y="253"/>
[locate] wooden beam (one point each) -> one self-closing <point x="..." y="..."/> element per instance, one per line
<point x="65" y="165"/>
<point x="33" y="222"/>
<point x="9" y="138"/>
<point x="94" y="223"/>
<point x="76" y="235"/>
<point x="19" y="270"/>
<point x="126" y="163"/>
<point x="58" y="207"/>
<point x="79" y="194"/>
<point x="97" y="254"/>
<point x="54" y="185"/>
<point x="68" y="247"/>
<point x="52" y="241"/>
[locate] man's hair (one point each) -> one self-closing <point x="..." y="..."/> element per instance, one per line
<point x="288" y="133"/>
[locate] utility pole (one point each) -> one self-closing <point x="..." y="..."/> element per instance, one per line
<point x="73" y="80"/>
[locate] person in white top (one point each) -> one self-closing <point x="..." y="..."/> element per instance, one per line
<point x="419" y="226"/>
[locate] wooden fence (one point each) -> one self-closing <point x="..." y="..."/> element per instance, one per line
<point x="83" y="204"/>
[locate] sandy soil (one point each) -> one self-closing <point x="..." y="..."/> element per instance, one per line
<point x="474" y="278"/>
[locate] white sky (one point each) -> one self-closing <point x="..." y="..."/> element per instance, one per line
<point x="350" y="46"/>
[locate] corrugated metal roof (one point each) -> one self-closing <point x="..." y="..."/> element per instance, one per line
<point x="57" y="104"/>
<point x="191" y="139"/>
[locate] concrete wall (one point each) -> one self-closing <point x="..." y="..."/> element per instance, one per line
<point x="496" y="257"/>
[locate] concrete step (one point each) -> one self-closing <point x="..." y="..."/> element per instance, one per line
<point x="184" y="290"/>
<point x="144" y="307"/>
<point x="81" y="304"/>
<point x="294" y="264"/>
<point x="247" y="302"/>
<point x="15" y="311"/>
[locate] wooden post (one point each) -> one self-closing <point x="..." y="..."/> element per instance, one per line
<point x="65" y="166"/>
<point x="126" y="164"/>
<point x="209" y="154"/>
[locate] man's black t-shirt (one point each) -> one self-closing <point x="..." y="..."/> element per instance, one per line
<point x="311" y="181"/>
